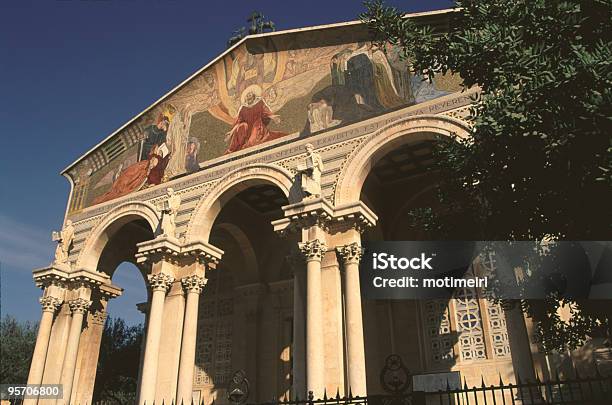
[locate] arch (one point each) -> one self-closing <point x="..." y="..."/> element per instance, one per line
<point x="208" y="208"/>
<point x="409" y="130"/>
<point x="112" y="221"/>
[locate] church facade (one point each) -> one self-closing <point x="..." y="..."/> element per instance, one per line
<point x="243" y="197"/>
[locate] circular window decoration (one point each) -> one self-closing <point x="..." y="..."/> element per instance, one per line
<point x="468" y="321"/>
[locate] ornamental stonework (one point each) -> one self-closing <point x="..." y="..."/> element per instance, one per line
<point x="160" y="281"/>
<point x="50" y="304"/>
<point x="313" y="250"/>
<point x="193" y="283"/>
<point x="79" y="305"/>
<point x="351" y="253"/>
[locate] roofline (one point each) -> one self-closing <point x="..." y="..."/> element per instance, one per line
<point x="227" y="51"/>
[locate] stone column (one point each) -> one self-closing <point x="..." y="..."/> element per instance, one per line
<point x="49" y="306"/>
<point x="78" y="307"/>
<point x="160" y="283"/>
<point x="193" y="285"/>
<point x="350" y="255"/>
<point x="313" y="252"/>
<point x="299" y="323"/>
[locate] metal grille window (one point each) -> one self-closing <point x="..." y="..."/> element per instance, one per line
<point x="214" y="346"/>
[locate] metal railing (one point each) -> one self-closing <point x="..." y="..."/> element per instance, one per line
<point x="594" y="390"/>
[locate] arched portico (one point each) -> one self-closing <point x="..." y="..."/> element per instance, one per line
<point x="407" y="131"/>
<point x="109" y="225"/>
<point x="206" y="211"/>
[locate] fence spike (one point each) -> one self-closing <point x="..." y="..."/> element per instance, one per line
<point x="310" y="395"/>
<point x="350" y="392"/>
<point x="501" y="382"/>
<point x="482" y="383"/>
<point x="465" y="383"/>
<point x="325" y="394"/>
<point x="338" y="393"/>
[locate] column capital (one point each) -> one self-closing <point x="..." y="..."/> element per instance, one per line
<point x="49" y="304"/>
<point x="79" y="305"/>
<point x="194" y="283"/>
<point x="160" y="281"/>
<point x="351" y="253"/>
<point x="99" y="316"/>
<point x="313" y="249"/>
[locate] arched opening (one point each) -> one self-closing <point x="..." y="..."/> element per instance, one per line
<point x="246" y="308"/>
<point x="466" y="335"/>
<point x="117" y="342"/>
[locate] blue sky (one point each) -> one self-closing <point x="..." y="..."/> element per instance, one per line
<point x="72" y="72"/>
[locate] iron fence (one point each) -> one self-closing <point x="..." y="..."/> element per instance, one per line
<point x="594" y="390"/>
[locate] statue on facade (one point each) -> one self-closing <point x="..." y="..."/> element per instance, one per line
<point x="169" y="211"/>
<point x="64" y="240"/>
<point x="311" y="173"/>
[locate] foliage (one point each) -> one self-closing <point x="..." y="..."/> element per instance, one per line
<point x="118" y="364"/>
<point x="538" y="162"/>
<point x="17" y="340"/>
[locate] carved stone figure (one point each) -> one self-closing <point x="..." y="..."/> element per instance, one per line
<point x="64" y="240"/>
<point x="169" y="211"/>
<point x="311" y="173"/>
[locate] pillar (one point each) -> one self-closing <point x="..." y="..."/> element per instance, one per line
<point x="299" y="333"/>
<point x="192" y="285"/>
<point x="313" y="252"/>
<point x="49" y="306"/>
<point x="350" y="255"/>
<point x="159" y="283"/>
<point x="78" y="307"/>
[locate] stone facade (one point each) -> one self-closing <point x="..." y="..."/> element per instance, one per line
<point x="260" y="279"/>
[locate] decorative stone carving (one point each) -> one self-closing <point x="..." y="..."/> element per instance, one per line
<point x="169" y="211"/>
<point x="311" y="173"/>
<point x="50" y="304"/>
<point x="313" y="249"/>
<point x="99" y="317"/>
<point x="79" y="305"/>
<point x="64" y="239"/>
<point x="350" y="253"/>
<point x="194" y="283"/>
<point x="160" y="281"/>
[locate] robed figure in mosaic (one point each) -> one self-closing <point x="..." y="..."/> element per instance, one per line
<point x="251" y="125"/>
